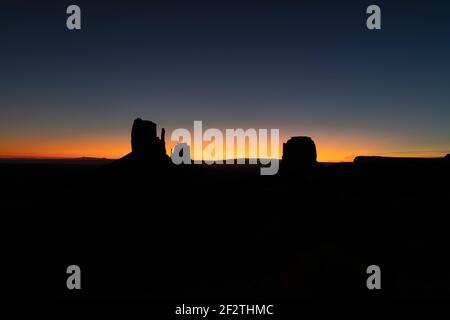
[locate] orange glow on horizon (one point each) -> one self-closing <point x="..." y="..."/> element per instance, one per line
<point x="96" y="148"/>
<point x="340" y="149"/>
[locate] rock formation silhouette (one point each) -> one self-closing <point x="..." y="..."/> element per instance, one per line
<point x="299" y="153"/>
<point x="146" y="147"/>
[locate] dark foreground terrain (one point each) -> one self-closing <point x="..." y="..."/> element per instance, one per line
<point x="224" y="232"/>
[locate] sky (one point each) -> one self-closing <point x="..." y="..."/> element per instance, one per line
<point x="309" y="68"/>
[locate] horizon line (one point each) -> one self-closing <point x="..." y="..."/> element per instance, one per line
<point x="88" y="158"/>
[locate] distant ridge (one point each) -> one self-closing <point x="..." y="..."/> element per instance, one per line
<point x="396" y="160"/>
<point x="81" y="160"/>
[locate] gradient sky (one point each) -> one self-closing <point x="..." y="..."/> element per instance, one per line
<point x="306" y="67"/>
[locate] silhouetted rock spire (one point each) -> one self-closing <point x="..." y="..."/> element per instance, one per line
<point x="163" y="136"/>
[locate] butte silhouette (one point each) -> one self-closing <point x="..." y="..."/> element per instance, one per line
<point x="146" y="148"/>
<point x="299" y="155"/>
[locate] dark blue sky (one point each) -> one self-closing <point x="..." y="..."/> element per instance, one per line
<point x="306" y="67"/>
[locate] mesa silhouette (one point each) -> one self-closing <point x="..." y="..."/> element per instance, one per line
<point x="146" y="147"/>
